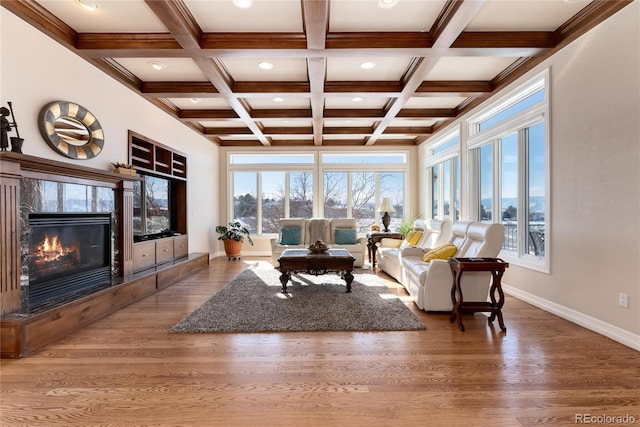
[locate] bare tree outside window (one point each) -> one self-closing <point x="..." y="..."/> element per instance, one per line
<point x="273" y="200"/>
<point x="335" y="194"/>
<point x="301" y="194"/>
<point x="363" y="196"/>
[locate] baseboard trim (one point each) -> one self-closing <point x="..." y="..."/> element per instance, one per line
<point x="615" y="333"/>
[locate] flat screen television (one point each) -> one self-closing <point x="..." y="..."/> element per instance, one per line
<point x="152" y="208"/>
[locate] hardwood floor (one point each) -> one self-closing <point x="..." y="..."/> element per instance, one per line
<point x="127" y="369"/>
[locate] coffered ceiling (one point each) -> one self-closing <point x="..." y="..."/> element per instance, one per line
<point x="335" y="72"/>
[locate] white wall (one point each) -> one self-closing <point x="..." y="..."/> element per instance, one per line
<point x="35" y="70"/>
<point x="595" y="183"/>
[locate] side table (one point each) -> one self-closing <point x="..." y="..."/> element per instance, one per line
<point x="376" y="237"/>
<point x="494" y="265"/>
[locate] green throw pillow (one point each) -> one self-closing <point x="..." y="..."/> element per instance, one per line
<point x="290" y="236"/>
<point x="345" y="236"/>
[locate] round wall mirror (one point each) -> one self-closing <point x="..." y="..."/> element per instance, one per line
<point x="71" y="130"/>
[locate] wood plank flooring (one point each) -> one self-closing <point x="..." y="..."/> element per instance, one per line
<point x="128" y="370"/>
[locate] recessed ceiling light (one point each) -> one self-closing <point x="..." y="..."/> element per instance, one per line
<point x="88" y="4"/>
<point x="356" y="99"/>
<point x="156" y="65"/>
<point x="196" y="100"/>
<point x="243" y="4"/>
<point x="387" y="4"/>
<point x="265" y="65"/>
<point x="367" y="65"/>
<point x="277" y="99"/>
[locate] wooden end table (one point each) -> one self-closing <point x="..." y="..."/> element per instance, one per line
<point x="338" y="261"/>
<point x="375" y="237"/>
<point x="494" y="265"/>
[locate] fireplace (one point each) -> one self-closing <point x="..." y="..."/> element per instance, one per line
<point x="70" y="255"/>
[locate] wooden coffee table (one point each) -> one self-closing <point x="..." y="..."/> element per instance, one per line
<point x="338" y="261"/>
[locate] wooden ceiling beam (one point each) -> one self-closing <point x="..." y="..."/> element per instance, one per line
<point x="277" y="45"/>
<point x="176" y="17"/>
<point x="315" y="20"/>
<point x="451" y="22"/>
<point x="202" y="114"/>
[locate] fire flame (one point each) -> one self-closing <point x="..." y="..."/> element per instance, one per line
<point x="51" y="249"/>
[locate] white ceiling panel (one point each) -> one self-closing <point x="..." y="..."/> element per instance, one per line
<point x="344" y="102"/>
<point x="366" y="15"/>
<point x="350" y="69"/>
<point x="287" y="123"/>
<point x="284" y="69"/>
<point x="130" y="16"/>
<point x="235" y="123"/>
<point x="468" y="68"/>
<point x="269" y="103"/>
<point x="524" y="15"/>
<point x="176" y="69"/>
<point x="212" y="103"/>
<point x="347" y="123"/>
<point x="223" y="16"/>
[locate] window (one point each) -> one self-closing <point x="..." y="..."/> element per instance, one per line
<point x="282" y="195"/>
<point x="358" y="194"/>
<point x="443" y="160"/>
<point x="151" y="205"/>
<point x="268" y="187"/>
<point x="486" y="183"/>
<point x="509" y="148"/>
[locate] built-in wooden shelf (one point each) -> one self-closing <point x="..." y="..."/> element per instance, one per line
<point x="151" y="156"/>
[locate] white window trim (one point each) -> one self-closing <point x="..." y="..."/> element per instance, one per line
<point x="437" y="160"/>
<point x="317" y="168"/>
<point x="530" y="116"/>
<point x="534" y="84"/>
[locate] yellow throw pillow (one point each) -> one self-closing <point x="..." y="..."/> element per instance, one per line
<point x="415" y="238"/>
<point x="408" y="238"/>
<point x="412" y="238"/>
<point x="441" y="252"/>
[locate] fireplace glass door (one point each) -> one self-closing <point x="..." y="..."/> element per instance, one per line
<point x="69" y="254"/>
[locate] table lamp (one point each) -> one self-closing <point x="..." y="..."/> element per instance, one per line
<point x="386" y="207"/>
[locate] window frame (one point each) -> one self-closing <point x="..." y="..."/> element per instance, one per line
<point x="517" y="123"/>
<point x="437" y="160"/>
<point x="318" y="168"/>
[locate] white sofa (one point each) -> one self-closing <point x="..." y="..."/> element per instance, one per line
<point x="323" y="229"/>
<point x="434" y="233"/>
<point x="429" y="283"/>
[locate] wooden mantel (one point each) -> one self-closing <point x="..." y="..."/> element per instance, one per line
<point x="13" y="167"/>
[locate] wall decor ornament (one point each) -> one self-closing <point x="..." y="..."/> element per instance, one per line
<point x="71" y="130"/>
<point x="16" y="141"/>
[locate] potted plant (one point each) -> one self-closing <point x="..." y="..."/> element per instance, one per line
<point x="405" y="227"/>
<point x="233" y="236"/>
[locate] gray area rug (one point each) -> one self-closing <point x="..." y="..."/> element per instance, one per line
<point x="252" y="302"/>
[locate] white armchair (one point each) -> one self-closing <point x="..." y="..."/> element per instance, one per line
<point x="429" y="283"/>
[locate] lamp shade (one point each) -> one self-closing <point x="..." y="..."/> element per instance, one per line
<point x="386" y="205"/>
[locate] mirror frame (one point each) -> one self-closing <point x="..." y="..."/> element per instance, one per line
<point x="64" y="109"/>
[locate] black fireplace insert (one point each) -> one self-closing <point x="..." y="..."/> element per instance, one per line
<point x="70" y="255"/>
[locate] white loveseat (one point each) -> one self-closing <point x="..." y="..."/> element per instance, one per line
<point x="429" y="283"/>
<point x="434" y="233"/>
<point x="335" y="232"/>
